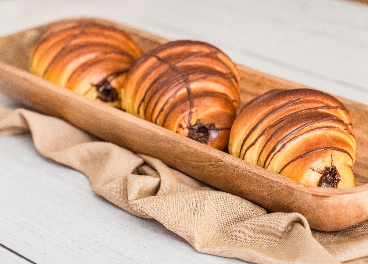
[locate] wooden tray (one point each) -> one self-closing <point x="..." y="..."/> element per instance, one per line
<point x="325" y="209"/>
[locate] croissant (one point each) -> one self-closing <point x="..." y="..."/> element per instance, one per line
<point x="303" y="134"/>
<point x="189" y="87"/>
<point x="86" y="57"/>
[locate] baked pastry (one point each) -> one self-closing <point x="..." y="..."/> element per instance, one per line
<point x="87" y="57"/>
<point x="303" y="134"/>
<point x="189" y="87"/>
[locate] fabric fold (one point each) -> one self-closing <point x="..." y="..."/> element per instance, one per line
<point x="212" y="221"/>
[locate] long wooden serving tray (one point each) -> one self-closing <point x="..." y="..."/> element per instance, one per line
<point x="325" y="209"/>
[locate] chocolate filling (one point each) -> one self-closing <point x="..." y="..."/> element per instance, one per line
<point x="106" y="92"/>
<point x="330" y="177"/>
<point x="202" y="132"/>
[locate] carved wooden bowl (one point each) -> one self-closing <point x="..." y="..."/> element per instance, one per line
<point x="325" y="209"/>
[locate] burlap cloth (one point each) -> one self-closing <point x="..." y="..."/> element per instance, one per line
<point x="212" y="221"/>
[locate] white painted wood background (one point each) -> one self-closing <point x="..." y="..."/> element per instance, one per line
<point x="49" y="214"/>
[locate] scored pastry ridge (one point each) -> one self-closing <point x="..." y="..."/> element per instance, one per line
<point x="189" y="87"/>
<point x="85" y="56"/>
<point x="303" y="134"/>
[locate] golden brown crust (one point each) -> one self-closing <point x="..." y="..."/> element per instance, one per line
<point x="189" y="87"/>
<point x="297" y="133"/>
<point x="87" y="57"/>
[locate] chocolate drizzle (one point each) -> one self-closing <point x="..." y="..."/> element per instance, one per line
<point x="313" y="151"/>
<point x="173" y="76"/>
<point x="60" y="52"/>
<point x="290" y="123"/>
<point x="288" y="116"/>
<point x="185" y="78"/>
<point x="178" y="74"/>
<point x="318" y="118"/>
<point x="265" y="130"/>
<point x="80" y="53"/>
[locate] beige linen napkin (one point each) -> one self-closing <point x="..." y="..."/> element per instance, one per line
<point x="212" y="221"/>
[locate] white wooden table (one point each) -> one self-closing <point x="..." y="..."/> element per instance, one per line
<point x="48" y="212"/>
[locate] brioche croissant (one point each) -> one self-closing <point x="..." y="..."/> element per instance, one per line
<point x="87" y="57"/>
<point x="303" y="134"/>
<point x="189" y="87"/>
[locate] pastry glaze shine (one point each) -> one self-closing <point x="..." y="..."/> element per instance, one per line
<point x="303" y="134"/>
<point x="87" y="57"/>
<point x="189" y="87"/>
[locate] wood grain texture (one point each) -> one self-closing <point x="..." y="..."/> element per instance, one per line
<point x="325" y="209"/>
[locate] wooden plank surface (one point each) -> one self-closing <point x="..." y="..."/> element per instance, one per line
<point x="321" y="44"/>
<point x="49" y="213"/>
